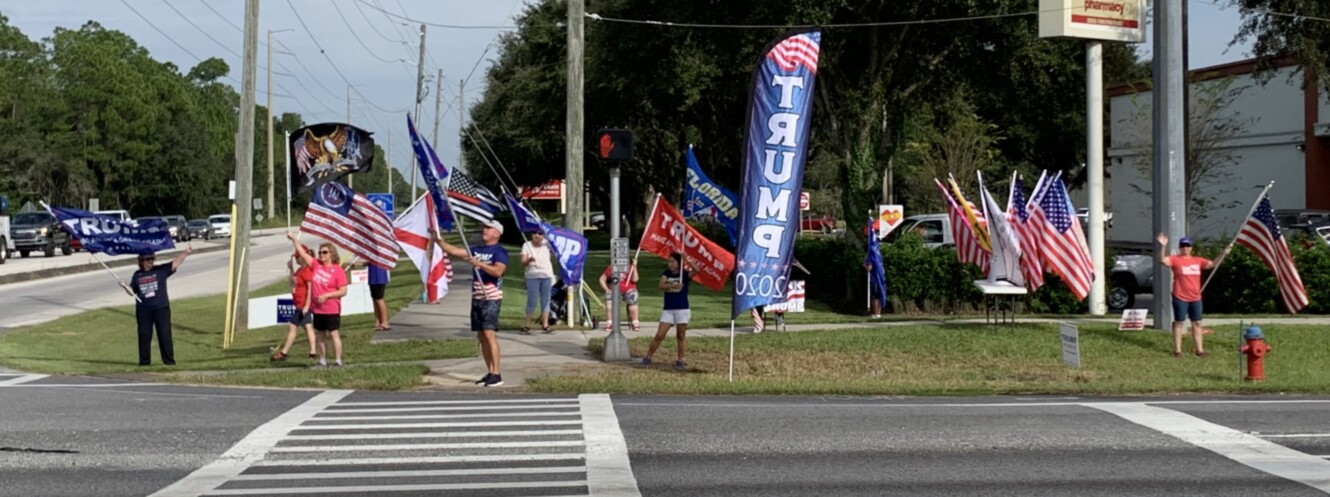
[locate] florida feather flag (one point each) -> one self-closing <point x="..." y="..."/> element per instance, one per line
<point x="349" y="220"/>
<point x="775" y="150"/>
<point x="413" y="231"/>
<point x="1261" y="234"/>
<point x="704" y="198"/>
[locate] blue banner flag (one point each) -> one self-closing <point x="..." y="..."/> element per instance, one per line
<point x="527" y="221"/>
<point x="111" y="236"/>
<point x="775" y="150"/>
<point x="705" y="199"/>
<point x="434" y="174"/>
<point x="570" y="247"/>
<point x="877" y="276"/>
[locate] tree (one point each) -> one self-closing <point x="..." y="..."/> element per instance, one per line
<point x="956" y="144"/>
<point x="1287" y="27"/>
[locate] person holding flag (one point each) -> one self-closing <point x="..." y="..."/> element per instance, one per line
<point x="488" y="261"/>
<point x="539" y="278"/>
<point x="877" y="281"/>
<point x="327" y="287"/>
<point x="301" y="280"/>
<point x="674" y="281"/>
<point x="627" y="288"/>
<point x="153" y="309"/>
<point x="1186" y="290"/>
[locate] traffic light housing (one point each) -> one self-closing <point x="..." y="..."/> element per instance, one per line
<point x="614" y="145"/>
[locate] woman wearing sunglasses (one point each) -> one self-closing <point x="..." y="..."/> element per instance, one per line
<point x="327" y="289"/>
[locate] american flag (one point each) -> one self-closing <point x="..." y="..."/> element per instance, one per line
<point x="1031" y="266"/>
<point x="1261" y="234"/>
<point x="968" y="250"/>
<point x="349" y="220"/>
<point x="1061" y="243"/>
<point x="798" y="50"/>
<point x="469" y="198"/>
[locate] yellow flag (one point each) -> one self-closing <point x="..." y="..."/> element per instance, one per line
<point x="980" y="229"/>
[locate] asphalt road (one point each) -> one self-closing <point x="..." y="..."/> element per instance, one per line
<point x="37" y="301"/>
<point x="136" y="440"/>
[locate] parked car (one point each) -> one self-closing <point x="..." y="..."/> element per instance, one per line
<point x="814" y="222"/>
<point x="6" y="244"/>
<point x="178" y="229"/>
<point x="1290" y="217"/>
<point x="934" y="228"/>
<point x="199" y="228"/>
<point x="32" y="231"/>
<point x="221" y="224"/>
<point x="1131" y="275"/>
<point x="122" y="215"/>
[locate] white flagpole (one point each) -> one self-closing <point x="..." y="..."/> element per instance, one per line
<point x="1223" y="255"/>
<point x="731" y="350"/>
<point x="287" y="146"/>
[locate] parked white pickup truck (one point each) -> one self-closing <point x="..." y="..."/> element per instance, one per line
<point x="6" y="244"/>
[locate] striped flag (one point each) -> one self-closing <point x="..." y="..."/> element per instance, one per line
<point x="469" y="198"/>
<point x="1062" y="243"/>
<point x="795" y="51"/>
<point x="413" y="230"/>
<point x="349" y="220"/>
<point x="1261" y="234"/>
<point x="1019" y="216"/>
<point x="968" y="250"/>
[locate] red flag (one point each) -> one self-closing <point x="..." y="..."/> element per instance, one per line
<point x="668" y="233"/>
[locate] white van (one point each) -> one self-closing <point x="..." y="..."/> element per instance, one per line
<point x="221" y="224"/>
<point x="118" y="214"/>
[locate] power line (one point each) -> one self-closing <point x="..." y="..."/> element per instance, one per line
<point x="224" y="18"/>
<point x="333" y="64"/>
<point x="197" y="28"/>
<point x="371" y="25"/>
<point x="1270" y="12"/>
<point x="438" y="25"/>
<point x="316" y="80"/>
<point x="159" y="31"/>
<point x="406" y="45"/>
<point x="598" y="17"/>
<point x="357" y="36"/>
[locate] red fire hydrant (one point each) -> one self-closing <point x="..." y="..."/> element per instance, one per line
<point x="1255" y="349"/>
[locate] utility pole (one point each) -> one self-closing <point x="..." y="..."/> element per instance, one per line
<point x="272" y="209"/>
<point x="1170" y="153"/>
<point x="240" y="225"/>
<point x="438" y="98"/>
<point x="420" y="95"/>
<point x="461" y="123"/>
<point x="573" y="154"/>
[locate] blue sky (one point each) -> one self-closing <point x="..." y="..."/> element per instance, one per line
<point x="383" y="68"/>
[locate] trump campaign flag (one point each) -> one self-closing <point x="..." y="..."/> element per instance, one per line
<point x="435" y="176"/>
<point x="569" y="247"/>
<point x="527" y="221"/>
<point x="111" y="236"/>
<point x="775" y="150"/>
<point x="349" y="220"/>
<point x="413" y="231"/>
<point x="704" y="198"/>
<point x="877" y="278"/>
<point x="668" y="233"/>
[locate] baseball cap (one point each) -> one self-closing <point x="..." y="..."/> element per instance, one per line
<point x="1185" y="241"/>
<point x="149" y="255"/>
<point x="496" y="225"/>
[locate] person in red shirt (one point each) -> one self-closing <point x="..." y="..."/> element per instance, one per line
<point x="300" y="283"/>
<point x="1186" y="290"/>
<point x="627" y="294"/>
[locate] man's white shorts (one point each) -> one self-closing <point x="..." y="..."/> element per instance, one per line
<point x="676" y="316"/>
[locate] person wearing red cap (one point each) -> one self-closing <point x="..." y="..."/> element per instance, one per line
<point x="1186" y="290"/>
<point x="301" y="280"/>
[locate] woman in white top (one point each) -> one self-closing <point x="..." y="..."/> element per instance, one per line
<point x="539" y="278"/>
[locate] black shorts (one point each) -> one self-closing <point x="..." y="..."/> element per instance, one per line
<point x="376" y="291"/>
<point x="302" y="318"/>
<point x="327" y="322"/>
<point x="485" y="314"/>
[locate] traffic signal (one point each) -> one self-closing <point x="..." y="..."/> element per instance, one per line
<point x="614" y="145"/>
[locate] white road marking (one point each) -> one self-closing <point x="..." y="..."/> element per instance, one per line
<point x="1297" y="435"/>
<point x="460" y="408"/>
<point x="422" y="460"/>
<point x="413" y="474"/>
<point x="449" y="434"/>
<point x="366" y="489"/>
<point x="439" y="425"/>
<point x="1247" y="449"/>
<point x="788" y="405"/>
<point x="447" y="416"/>
<point x="249" y="449"/>
<point x="609" y="473"/>
<point x="92" y="385"/>
<point x="450" y="402"/>
<point x="21" y="380"/>
<point x="468" y="445"/>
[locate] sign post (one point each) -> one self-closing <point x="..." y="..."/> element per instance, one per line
<point x="615" y="146"/>
<point x="1071" y="345"/>
<point x="384" y="201"/>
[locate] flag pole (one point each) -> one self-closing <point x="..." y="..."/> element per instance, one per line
<point x="731" y="350"/>
<point x="287" y="144"/>
<point x="868" y="271"/>
<point x="654" y="203"/>
<point x="93" y="254"/>
<point x="1224" y="254"/>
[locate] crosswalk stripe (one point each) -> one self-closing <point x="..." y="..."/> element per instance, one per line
<point x="1297" y="435"/>
<point x="366" y="461"/>
<point x="410" y="474"/>
<point x="447" y="408"/>
<point x="21" y="379"/>
<point x="609" y="472"/>
<point x="370" y="448"/>
<point x="453" y="402"/>
<point x="441" y="425"/>
<point x="450" y="434"/>
<point x="366" y="489"/>
<point x="448" y="416"/>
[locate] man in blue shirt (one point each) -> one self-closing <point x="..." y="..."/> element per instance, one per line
<point x="488" y="260"/>
<point x="378" y="285"/>
<point x="153" y="310"/>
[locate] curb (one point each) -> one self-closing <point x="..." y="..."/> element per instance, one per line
<point x="82" y="268"/>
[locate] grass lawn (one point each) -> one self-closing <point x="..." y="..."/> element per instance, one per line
<point x="961" y="360"/>
<point x="104" y="341"/>
<point x="372" y="377"/>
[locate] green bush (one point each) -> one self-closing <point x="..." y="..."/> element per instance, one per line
<point x="1243" y="283"/>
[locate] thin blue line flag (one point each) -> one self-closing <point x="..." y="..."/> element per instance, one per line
<point x="775" y="150"/>
<point x="111" y="236"/>
<point x="706" y="199"/>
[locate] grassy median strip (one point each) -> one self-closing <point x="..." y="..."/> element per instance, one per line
<point x="104" y="341"/>
<point x="960" y="360"/>
<point x="371" y="377"/>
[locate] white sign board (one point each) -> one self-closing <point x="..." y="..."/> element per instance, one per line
<point x="359" y="276"/>
<point x="1071" y="345"/>
<point x="263" y="311"/>
<point x="94" y="204"/>
<point x="889" y="217"/>
<point x="1133" y="319"/>
<point x="1108" y="20"/>
<point x="794" y="299"/>
<point x="619" y="255"/>
<point x="231" y="190"/>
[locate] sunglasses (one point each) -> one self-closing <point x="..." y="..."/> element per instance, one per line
<point x="324" y="252"/>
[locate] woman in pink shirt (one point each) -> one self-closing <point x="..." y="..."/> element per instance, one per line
<point x="1186" y="290"/>
<point x="327" y="289"/>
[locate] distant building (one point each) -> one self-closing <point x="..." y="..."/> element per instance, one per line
<point x="1281" y="133"/>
